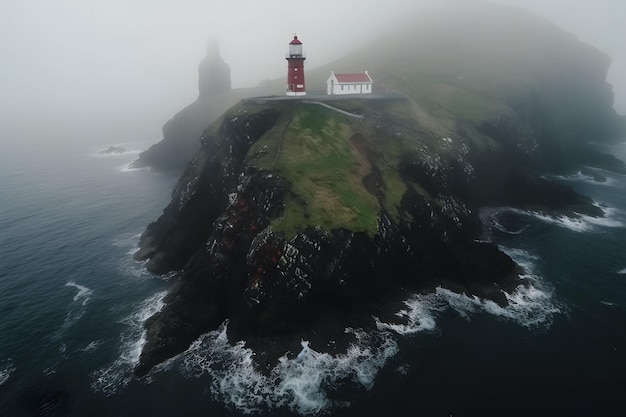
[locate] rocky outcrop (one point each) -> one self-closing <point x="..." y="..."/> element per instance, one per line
<point x="472" y="132"/>
<point x="180" y="134"/>
<point x="217" y="232"/>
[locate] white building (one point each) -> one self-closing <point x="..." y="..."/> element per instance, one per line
<point x="339" y="84"/>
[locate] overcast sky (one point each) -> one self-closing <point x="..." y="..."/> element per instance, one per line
<point x="108" y="58"/>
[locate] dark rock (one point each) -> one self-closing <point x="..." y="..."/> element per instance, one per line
<point x="590" y="157"/>
<point x="202" y="194"/>
<point x="216" y="232"/>
<point x="232" y="265"/>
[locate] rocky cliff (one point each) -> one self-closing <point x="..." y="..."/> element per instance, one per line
<point x="291" y="213"/>
<point x="181" y="133"/>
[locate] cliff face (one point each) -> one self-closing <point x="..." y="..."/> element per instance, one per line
<point x="226" y="229"/>
<point x="267" y="235"/>
<point x="290" y="210"/>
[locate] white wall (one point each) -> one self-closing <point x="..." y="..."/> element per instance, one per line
<point x="343" y="89"/>
<point x="334" y="87"/>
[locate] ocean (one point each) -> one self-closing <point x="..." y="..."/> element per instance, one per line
<point x="73" y="301"/>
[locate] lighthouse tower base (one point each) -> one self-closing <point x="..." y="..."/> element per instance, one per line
<point x="296" y="93"/>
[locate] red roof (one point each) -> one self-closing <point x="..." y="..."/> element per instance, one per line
<point x="353" y="78"/>
<point x="295" y="41"/>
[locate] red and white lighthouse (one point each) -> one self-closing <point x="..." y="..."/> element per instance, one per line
<point x="295" y="68"/>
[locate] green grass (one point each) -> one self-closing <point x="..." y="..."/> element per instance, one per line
<point x="394" y="189"/>
<point x="325" y="173"/>
<point x="310" y="147"/>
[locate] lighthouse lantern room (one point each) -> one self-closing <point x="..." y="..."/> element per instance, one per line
<point x="295" y="68"/>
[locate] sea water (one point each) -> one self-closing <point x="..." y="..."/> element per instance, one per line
<point x="73" y="303"/>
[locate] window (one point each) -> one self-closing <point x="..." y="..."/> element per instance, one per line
<point x="342" y="88"/>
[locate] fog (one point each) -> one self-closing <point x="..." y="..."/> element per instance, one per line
<point x="135" y="61"/>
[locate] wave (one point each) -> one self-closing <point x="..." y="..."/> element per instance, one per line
<point x="7" y="367"/>
<point x="91" y="346"/>
<point x="622" y="271"/>
<point x="129" y="241"/>
<point x="307" y="383"/>
<point x="128" y="266"/>
<point x="110" y="379"/>
<point x="497" y="225"/>
<point x="582" y="223"/>
<point x="530" y="305"/>
<point x="420" y="315"/>
<point x="577" y="223"/>
<point x="582" y="177"/>
<point x="83" y="295"/>
<point x="76" y="309"/>
<point x="301" y="383"/>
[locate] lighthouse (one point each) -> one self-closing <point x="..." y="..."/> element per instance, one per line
<point x="295" y="68"/>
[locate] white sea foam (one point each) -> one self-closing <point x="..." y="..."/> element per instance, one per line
<point x="420" y="315"/>
<point x="128" y="266"/>
<point x="580" y="177"/>
<point x="50" y="370"/>
<point x="572" y="223"/>
<point x="77" y="308"/>
<point x="582" y="223"/>
<point x="117" y="375"/>
<point x="7" y="367"/>
<point x="622" y="271"/>
<point x="303" y="382"/>
<point x="91" y="346"/>
<point x="300" y="383"/>
<point x="83" y="295"/>
<point x="129" y="241"/>
<point x="577" y="223"/>
<point x="523" y="258"/>
<point x="530" y="305"/>
<point x="496" y="224"/>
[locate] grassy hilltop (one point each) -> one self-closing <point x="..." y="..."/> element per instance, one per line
<point x="290" y="208"/>
<point x="457" y="72"/>
<point x="343" y="171"/>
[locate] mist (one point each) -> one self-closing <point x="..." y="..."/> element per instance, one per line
<point x="132" y="64"/>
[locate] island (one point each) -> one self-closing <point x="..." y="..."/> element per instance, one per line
<point x="300" y="217"/>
